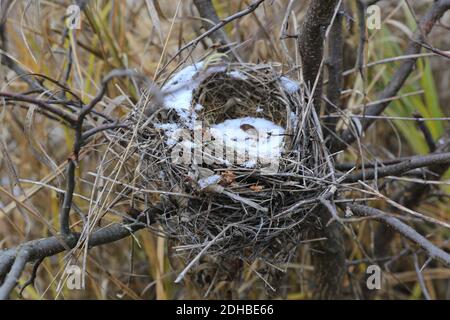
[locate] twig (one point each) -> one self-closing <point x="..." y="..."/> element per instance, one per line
<point x="432" y="250"/>
<point x="33" y="275"/>
<point x="425" y="292"/>
<point x="47" y="247"/>
<point x="425" y="131"/>
<point x="13" y="276"/>
<point x="62" y="114"/>
<point x="210" y="18"/>
<point x="78" y="143"/>
<point x="399" y="168"/>
<point x="252" y="7"/>
<point x="411" y="197"/>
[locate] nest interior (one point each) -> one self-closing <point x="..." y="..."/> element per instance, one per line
<point x="245" y="215"/>
<point x="241" y="92"/>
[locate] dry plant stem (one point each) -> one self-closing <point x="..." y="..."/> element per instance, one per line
<point x="398" y="79"/>
<point x="432" y="250"/>
<point x="5" y="59"/>
<point x="210" y="18"/>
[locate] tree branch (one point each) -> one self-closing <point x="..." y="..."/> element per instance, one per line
<point x="311" y="43"/>
<point x="439" y="159"/>
<point x="252" y="7"/>
<point x="432" y="250"/>
<point x="13" y="260"/>
<point x="410" y="197"/>
<point x="64" y="219"/>
<point x="335" y="69"/>
<point x="210" y="18"/>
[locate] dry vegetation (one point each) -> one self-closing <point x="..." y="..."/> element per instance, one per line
<point x="73" y="86"/>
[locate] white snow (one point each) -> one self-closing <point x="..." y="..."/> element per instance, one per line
<point x="236" y="74"/>
<point x="289" y="85"/>
<point x="211" y="180"/>
<point x="180" y="89"/>
<point x="169" y="130"/>
<point x="258" y="137"/>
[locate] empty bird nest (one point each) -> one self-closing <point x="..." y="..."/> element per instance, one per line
<point x="234" y="155"/>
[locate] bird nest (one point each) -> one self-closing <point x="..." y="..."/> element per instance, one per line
<point x="236" y="157"/>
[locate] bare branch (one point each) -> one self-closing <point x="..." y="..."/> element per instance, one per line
<point x="425" y="131"/>
<point x="252" y="7"/>
<point x="432" y="250"/>
<point x="210" y="18"/>
<point x="410" y="197"/>
<point x="402" y="167"/>
<point x="62" y="114"/>
<point x="78" y="143"/>
<point x="12" y="278"/>
<point x="15" y="259"/>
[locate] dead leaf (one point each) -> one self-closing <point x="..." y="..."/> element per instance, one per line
<point x="228" y="177"/>
<point x="256" y="188"/>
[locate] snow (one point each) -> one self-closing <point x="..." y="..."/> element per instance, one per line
<point x="258" y="137"/>
<point x="211" y="180"/>
<point x="180" y="88"/>
<point x="169" y="130"/>
<point x="289" y="85"/>
<point x="236" y="74"/>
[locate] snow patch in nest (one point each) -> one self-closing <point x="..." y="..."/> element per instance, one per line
<point x="258" y="137"/>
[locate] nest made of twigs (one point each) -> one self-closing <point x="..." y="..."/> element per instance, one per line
<point x="242" y="214"/>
